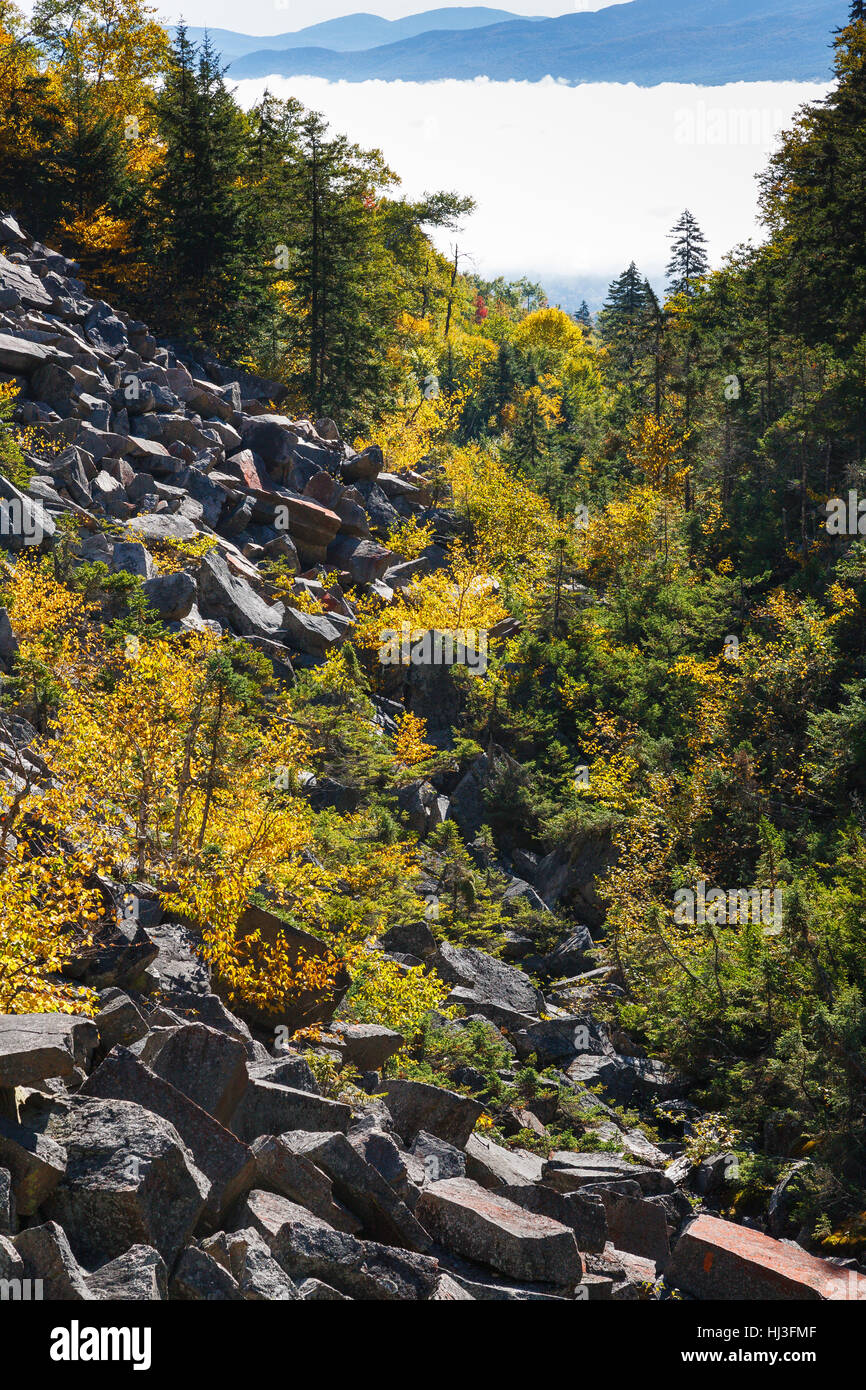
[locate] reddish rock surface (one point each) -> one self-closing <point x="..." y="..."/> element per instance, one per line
<point x="716" y="1259"/>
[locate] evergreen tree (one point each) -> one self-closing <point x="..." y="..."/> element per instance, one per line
<point x="270" y="160"/>
<point x="622" y="316"/>
<point x="201" y="225"/>
<point x="583" y="316"/>
<point x="88" y="160"/>
<point x="656" y="324"/>
<point x="858" y="11"/>
<point x="625" y="323"/>
<point x="340" y="273"/>
<point x="689" y="261"/>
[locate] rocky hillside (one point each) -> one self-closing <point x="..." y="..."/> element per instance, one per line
<point x="172" y="1148"/>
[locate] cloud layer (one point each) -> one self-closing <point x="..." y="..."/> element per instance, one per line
<point x="569" y="181"/>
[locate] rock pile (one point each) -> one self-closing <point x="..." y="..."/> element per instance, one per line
<point x="169" y="449"/>
<point x="168" y="1149"/>
<point x="161" y="1151"/>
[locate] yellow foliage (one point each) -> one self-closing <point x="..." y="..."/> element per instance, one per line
<point x="409" y="540"/>
<point x="385" y="992"/>
<point x="629" y="534"/>
<point x="410" y="746"/>
<point x="655" y="450"/>
<point x="46" y="916"/>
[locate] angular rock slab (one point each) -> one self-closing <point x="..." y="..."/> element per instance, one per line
<point x="717" y="1259"/>
<point x="582" y="1212"/>
<point x="490" y="1165"/>
<point x="47" y="1255"/>
<point x="34" y="1047"/>
<point x="138" y="1276"/>
<point x="270" y="1109"/>
<point x="223" y="1160"/>
<point x="497" y="989"/>
<point x="35" y="1162"/>
<point x="566" y="1171"/>
<point x="416" y="1105"/>
<point x="367" y="1046"/>
<point x="482" y="1226"/>
<point x="249" y="1261"/>
<point x="306" y="1247"/>
<point x="206" y="1065"/>
<point x="279" y="1169"/>
<point x="362" y="1189"/>
<point x="130" y="1180"/>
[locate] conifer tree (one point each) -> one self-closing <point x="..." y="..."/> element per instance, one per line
<point x="622" y="319"/>
<point x="88" y="160"/>
<point x="689" y="260"/>
<point x="201" y="225"/>
<point x="340" y="273"/>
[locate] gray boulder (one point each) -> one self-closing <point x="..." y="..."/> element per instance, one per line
<point x="134" y="558"/>
<point x="137" y="1276"/>
<point x="416" y="1105"/>
<point x="294" y="1175"/>
<point x="35" y="1162"/>
<point x="270" y="1109"/>
<point x="226" y="1163"/>
<point x="492" y="1166"/>
<point x="306" y="1247"/>
<point x="199" y="1278"/>
<point x="172" y="595"/>
<point x="362" y="1189"/>
<point x="233" y="601"/>
<point x="367" y="1046"/>
<point x="249" y="1261"/>
<point x="47" y="1256"/>
<point x="208" y="1066"/>
<point x="34" y="1047"/>
<point x="161" y="526"/>
<point x="483" y="1226"/>
<point x="130" y="1180"/>
<point x="105" y="330"/>
<point x="487" y="986"/>
<point x="566" y="1171"/>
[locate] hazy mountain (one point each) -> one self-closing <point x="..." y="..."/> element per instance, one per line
<point x="644" y="41"/>
<point x="355" y="32"/>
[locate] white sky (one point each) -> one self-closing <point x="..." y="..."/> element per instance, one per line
<point x="569" y="181"/>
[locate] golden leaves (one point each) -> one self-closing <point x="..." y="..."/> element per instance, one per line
<point x="410" y="746"/>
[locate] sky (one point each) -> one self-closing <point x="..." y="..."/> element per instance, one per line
<point x="285" y="16"/>
<point x="571" y="183"/>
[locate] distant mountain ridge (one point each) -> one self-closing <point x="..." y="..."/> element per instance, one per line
<point x="643" y="41"/>
<point x="355" y="32"/>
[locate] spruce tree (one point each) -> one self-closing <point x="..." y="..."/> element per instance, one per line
<point x="858" y="11"/>
<point x="88" y="161"/>
<point x="201" y="227"/>
<point x="622" y="317"/>
<point x="583" y="316"/>
<point x="341" y="276"/>
<point x="689" y="260"/>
